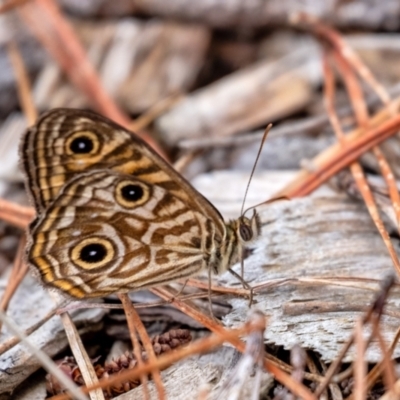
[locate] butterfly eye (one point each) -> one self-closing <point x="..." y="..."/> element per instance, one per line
<point x="82" y="143"/>
<point x="92" y="253"/>
<point x="246" y="233"/>
<point x="131" y="194"/>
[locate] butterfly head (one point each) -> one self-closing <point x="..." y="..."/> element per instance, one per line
<point x="248" y="229"/>
<point x="239" y="233"/>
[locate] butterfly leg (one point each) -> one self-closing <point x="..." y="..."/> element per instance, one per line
<point x="71" y="305"/>
<point x="179" y="292"/>
<point x="245" y="285"/>
<point x="209" y="297"/>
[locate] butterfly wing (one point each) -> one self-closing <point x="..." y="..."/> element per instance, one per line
<point x="108" y="232"/>
<point x="67" y="142"/>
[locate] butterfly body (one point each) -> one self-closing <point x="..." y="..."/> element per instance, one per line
<point x="113" y="216"/>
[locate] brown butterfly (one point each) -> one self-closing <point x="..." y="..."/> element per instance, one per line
<point x="112" y="215"/>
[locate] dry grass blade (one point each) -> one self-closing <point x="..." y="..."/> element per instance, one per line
<point x="134" y="322"/>
<point x="154" y="112"/>
<point x="17" y="274"/>
<point x="361" y="112"/>
<point x="186" y="159"/>
<point x="307" y="181"/>
<point x="312" y="377"/>
<point x="389" y="376"/>
<point x="129" y="312"/>
<point x="359" y="363"/>
<point x="14" y="214"/>
<point x="391" y="183"/>
<point x="337" y="157"/>
<point x="298" y="359"/>
<point x="388" y="367"/>
<point x="23" y="84"/>
<point x="148" y="348"/>
<point x="336" y="393"/>
<point x="252" y="356"/>
<point x="356" y="169"/>
<point x="295" y="387"/>
<point x="81" y="357"/>
<point x="375" y="372"/>
<point x="44" y="18"/>
<point x="368" y="197"/>
<point x="347" y="59"/>
<point x="346" y="52"/>
<point x="376" y="307"/>
<point x="11" y="4"/>
<point x="361" y="384"/>
<point x="149" y="351"/>
<point x="350" y="63"/>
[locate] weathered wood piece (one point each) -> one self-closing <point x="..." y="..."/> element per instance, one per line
<point x="184" y="380"/>
<point x="222" y="13"/>
<point x="34" y="388"/>
<point x="320" y="260"/>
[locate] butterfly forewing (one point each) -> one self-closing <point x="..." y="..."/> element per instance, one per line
<point x="66" y="142"/>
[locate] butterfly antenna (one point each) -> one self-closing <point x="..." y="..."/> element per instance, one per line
<point x="264" y="138"/>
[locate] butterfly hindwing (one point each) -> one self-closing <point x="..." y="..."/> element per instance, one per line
<point x="107" y="231"/>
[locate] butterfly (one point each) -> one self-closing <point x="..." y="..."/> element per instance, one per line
<point x="112" y="215"/>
